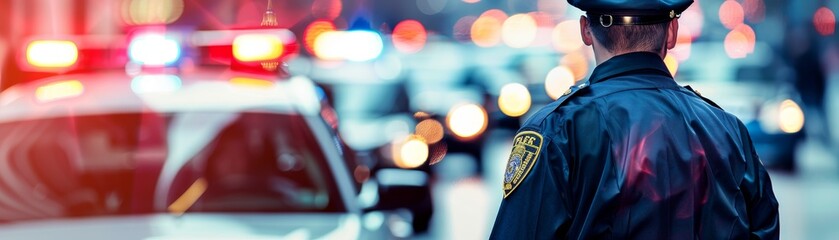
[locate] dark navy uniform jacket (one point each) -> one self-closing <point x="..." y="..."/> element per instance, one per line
<point x="630" y="154"/>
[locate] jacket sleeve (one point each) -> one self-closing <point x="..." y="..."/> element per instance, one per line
<point x="537" y="207"/>
<point x="761" y="204"/>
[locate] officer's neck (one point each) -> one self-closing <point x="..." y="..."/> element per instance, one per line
<point x="601" y="54"/>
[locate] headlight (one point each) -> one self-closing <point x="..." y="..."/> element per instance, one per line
<point x="790" y="117"/>
<point x="783" y="117"/>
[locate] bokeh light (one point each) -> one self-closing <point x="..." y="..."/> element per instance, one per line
<point x="577" y="63"/>
<point x="431" y="130"/>
<point x="791" y="117"/>
<point x="362" y="45"/>
<point x="328" y="45"/>
<point x="486" y="30"/>
<point x="731" y="14"/>
<point x="672" y="64"/>
<point x="462" y="29"/>
<point x="749" y="33"/>
<point x="142" y="12"/>
<point x="471" y="1"/>
<point x="684" y="42"/>
<point x="554" y="8"/>
<point x="495" y="13"/>
<point x="437" y="152"/>
<point x="736" y="45"/>
<point x="467" y="121"/>
<point x="313" y="31"/>
<point x="356" y="45"/>
<point x="361" y="173"/>
<point x="518" y="31"/>
<point x="692" y="20"/>
<point x="544" y="28"/>
<point x="559" y="80"/>
<point x="514" y="99"/>
<point x="755" y="10"/>
<point x="257" y="47"/>
<point x="326" y="9"/>
<point x="413" y="152"/>
<point x="52" y="53"/>
<point x="543" y="20"/>
<point x="825" y="21"/>
<point x="566" y="36"/>
<point x="421" y="114"/>
<point x="154" y="49"/>
<point x="409" y="36"/>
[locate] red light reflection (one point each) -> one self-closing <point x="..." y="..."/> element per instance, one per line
<point x="747" y="32"/>
<point x="437" y="152"/>
<point x="315" y="29"/>
<point x="486" y="30"/>
<point x="409" y="36"/>
<point x="326" y="9"/>
<point x="639" y="159"/>
<point x="825" y="21"/>
<point x="736" y="45"/>
<point x="731" y="14"/>
<point x="755" y="10"/>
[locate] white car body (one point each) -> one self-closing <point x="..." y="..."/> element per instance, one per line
<point x="203" y="90"/>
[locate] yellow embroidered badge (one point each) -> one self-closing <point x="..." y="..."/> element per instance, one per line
<point x="526" y="146"/>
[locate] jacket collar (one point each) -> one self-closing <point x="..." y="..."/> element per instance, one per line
<point x="643" y="62"/>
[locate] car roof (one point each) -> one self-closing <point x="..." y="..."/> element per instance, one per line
<point x="206" y="90"/>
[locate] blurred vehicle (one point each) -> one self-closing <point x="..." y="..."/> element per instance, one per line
<point x="755" y="90"/>
<point x="376" y="122"/>
<point x="198" y="135"/>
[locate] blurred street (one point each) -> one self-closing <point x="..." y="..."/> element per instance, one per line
<point x="362" y="119"/>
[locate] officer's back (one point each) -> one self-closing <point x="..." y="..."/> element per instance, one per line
<point x="630" y="154"/>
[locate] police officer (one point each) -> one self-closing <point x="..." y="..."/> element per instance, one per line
<point x="629" y="154"/>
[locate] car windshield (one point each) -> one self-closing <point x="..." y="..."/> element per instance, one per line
<point x="136" y="163"/>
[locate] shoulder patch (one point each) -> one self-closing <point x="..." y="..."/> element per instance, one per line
<point x="526" y="146"/>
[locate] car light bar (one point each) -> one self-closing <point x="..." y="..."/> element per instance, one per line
<point x="52" y="54"/>
<point x="154" y="50"/>
<point x="355" y="45"/>
<point x="257" y="47"/>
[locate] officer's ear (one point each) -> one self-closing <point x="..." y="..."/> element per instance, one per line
<point x="672" y="33"/>
<point x="585" y="31"/>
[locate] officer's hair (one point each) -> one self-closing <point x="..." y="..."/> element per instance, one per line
<point x="620" y="38"/>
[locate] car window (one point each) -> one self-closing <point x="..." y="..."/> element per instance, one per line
<point x="123" y="163"/>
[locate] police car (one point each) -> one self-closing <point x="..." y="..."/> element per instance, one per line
<point x="171" y="148"/>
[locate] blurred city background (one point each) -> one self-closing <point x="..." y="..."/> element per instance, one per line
<point x="439" y="87"/>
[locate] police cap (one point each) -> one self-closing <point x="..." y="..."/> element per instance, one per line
<point x="631" y="12"/>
